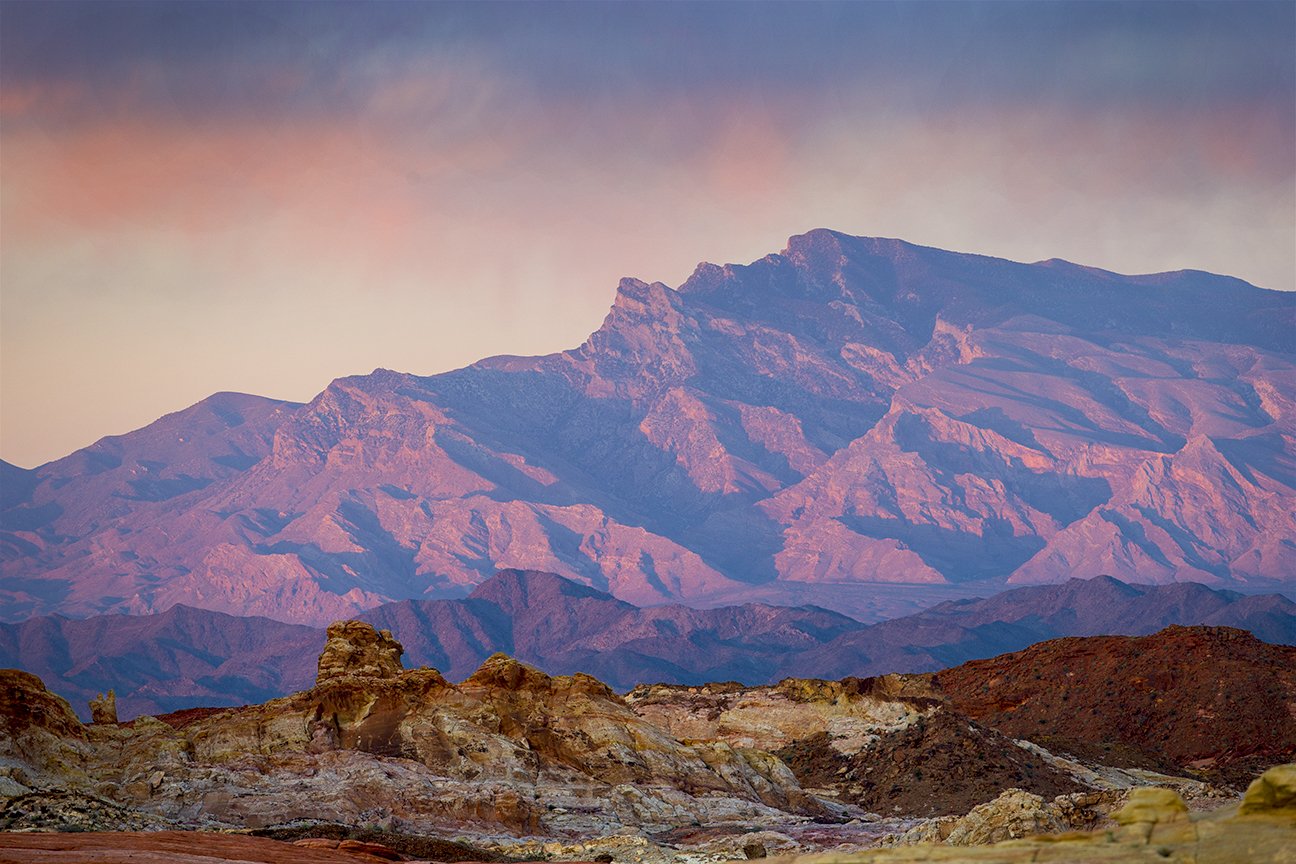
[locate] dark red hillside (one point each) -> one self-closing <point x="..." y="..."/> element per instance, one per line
<point x="1213" y="699"/>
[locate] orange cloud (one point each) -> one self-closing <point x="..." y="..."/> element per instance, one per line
<point x="432" y="226"/>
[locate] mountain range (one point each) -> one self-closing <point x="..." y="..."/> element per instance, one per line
<point x="851" y="411"/>
<point x="187" y="657"/>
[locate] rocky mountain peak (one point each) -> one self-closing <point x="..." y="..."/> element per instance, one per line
<point x="816" y="240"/>
<point x="357" y="648"/>
<point x="851" y="409"/>
<point x="517" y="590"/>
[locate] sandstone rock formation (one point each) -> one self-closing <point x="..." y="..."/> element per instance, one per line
<point x="1271" y="792"/>
<point x="1152" y="813"/>
<point x="942" y="764"/>
<point x="63" y="812"/>
<point x="514" y="751"/>
<point x="510" y="749"/>
<point x="886" y="745"/>
<point x="26" y="707"/>
<point x="1012" y="815"/>
<point x="852" y="712"/>
<point x="375" y="853"/>
<point x="356" y="648"/>
<point x="164" y="847"/>
<point x="103" y="708"/>
<point x="42" y="743"/>
<point x="1153" y="827"/>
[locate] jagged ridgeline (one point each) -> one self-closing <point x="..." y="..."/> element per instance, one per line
<point x="186" y="657"/>
<point x="850" y="412"/>
<point x="196" y="658"/>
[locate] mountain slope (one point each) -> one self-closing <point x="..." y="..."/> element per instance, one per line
<point x="188" y="657"/>
<point x="851" y="410"/>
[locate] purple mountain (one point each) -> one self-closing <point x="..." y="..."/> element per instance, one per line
<point x="187" y="657"/>
<point x="850" y="412"/>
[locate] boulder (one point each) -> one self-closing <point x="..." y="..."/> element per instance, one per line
<point x="1014" y="814"/>
<point x="1151" y="805"/>
<point x="1155" y="815"/>
<point x="1272" y="792"/>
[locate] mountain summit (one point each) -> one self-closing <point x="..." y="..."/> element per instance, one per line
<point x="851" y="410"/>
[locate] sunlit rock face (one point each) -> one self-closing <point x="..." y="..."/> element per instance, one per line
<point x="356" y="648"/>
<point x="512" y="753"/>
<point x="850" y="410"/>
<point x="509" y="750"/>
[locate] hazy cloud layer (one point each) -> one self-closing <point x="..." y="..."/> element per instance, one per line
<point x="199" y="197"/>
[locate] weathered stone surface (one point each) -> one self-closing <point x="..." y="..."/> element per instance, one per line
<point x="26" y="705"/>
<point x="1012" y="815"/>
<point x="1158" y="828"/>
<point x="513" y="751"/>
<point x="510" y="749"/>
<point x="1272" y="792"/>
<point x="358" y="849"/>
<point x="356" y="648"/>
<point x="42" y="742"/>
<point x="72" y="811"/>
<point x="103" y="708"/>
<point x="886" y="744"/>
<point x="852" y="712"/>
<point x="1152" y="806"/>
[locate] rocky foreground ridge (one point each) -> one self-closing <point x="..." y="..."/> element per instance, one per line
<point x="1154" y="825"/>
<point x="850" y="411"/>
<point x="525" y="764"/>
<point x="509" y="750"/>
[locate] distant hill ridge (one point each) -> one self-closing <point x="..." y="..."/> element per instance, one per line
<point x="851" y="410"/>
<point x="188" y="657"/>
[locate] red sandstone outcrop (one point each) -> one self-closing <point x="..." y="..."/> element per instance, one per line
<point x="1211" y="699"/>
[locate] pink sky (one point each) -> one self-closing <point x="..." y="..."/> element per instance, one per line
<point x="267" y="212"/>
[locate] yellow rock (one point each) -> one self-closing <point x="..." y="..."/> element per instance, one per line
<point x="1151" y="805"/>
<point x="1262" y="831"/>
<point x="1275" y="790"/>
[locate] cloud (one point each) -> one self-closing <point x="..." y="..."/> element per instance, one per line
<point x="278" y="194"/>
